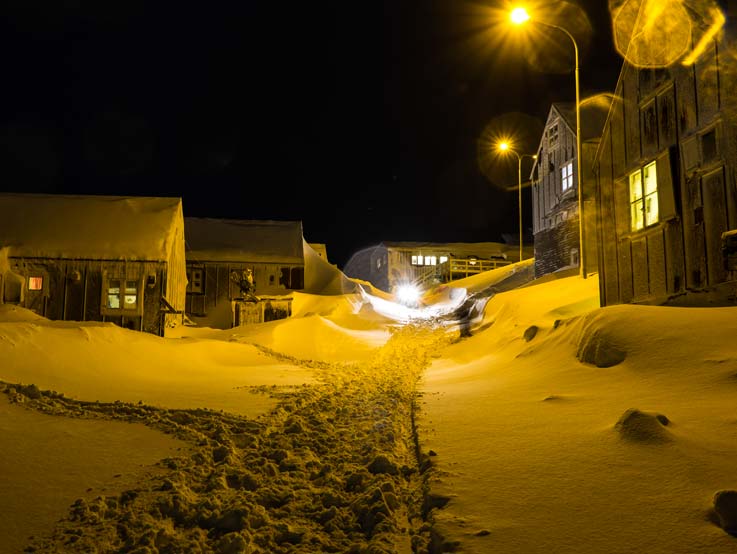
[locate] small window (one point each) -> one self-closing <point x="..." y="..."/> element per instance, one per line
<point x="418" y="260"/>
<point x="298" y="278"/>
<point x="443" y="259"/>
<point x="35" y="283"/>
<point x="431" y="260"/>
<point x="271" y="279"/>
<point x="195" y="281"/>
<point x="130" y="298"/>
<point x="567" y="176"/>
<point x="553" y="135"/>
<point x="709" y="146"/>
<point x="113" y="295"/>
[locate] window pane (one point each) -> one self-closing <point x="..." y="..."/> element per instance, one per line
<point x="636" y="215"/>
<point x="651" y="180"/>
<point x="419" y="260"/>
<point x="414" y="260"/>
<point x="651" y="208"/>
<point x="130" y="298"/>
<point x="35" y="283"/>
<point x="443" y="259"/>
<point x="635" y="186"/>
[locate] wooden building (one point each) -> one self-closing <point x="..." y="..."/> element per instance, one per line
<point x="95" y="258"/>
<point x="221" y="253"/>
<point x="554" y="178"/>
<point x="667" y="180"/>
<point x="424" y="264"/>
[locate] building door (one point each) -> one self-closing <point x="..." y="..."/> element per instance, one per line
<point x="715" y="223"/>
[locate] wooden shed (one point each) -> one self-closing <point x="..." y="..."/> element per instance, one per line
<point x="554" y="177"/>
<point x="667" y="179"/>
<point x="220" y="252"/>
<point x="392" y="264"/>
<point x="95" y="258"/>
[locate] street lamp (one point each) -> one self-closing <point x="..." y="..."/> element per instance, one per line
<point x="504" y="147"/>
<point x="518" y="16"/>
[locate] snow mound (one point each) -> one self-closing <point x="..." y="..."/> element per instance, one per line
<point x="643" y="427"/>
<point x="14" y="314"/>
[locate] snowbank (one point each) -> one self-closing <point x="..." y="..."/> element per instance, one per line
<point x="604" y="430"/>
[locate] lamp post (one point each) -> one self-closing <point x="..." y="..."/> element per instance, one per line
<point x="518" y="17"/>
<point x="504" y="147"/>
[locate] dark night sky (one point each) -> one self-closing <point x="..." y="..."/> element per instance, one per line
<point x="359" y="118"/>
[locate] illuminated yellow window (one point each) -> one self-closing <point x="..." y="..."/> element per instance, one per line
<point x="650" y="182"/>
<point x="417" y="260"/>
<point x="443" y="259"/>
<point x="431" y="260"/>
<point x="643" y="197"/>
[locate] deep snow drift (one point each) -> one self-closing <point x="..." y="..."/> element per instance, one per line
<point x="553" y="425"/>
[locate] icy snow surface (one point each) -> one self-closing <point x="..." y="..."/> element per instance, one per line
<point x="553" y="426"/>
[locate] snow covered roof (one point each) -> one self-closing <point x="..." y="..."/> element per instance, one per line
<point x="240" y="240"/>
<point x="89" y="227"/>
<point x="457" y="249"/>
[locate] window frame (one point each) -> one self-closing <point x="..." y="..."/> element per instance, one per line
<point x="123" y="286"/>
<point x="190" y="280"/>
<point x="566" y="176"/>
<point x="641" y="200"/>
<point x="32" y="279"/>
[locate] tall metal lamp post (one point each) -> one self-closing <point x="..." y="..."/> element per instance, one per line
<point x="505" y="147"/>
<point x="518" y="17"/>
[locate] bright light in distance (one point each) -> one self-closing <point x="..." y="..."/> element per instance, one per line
<point x="519" y="16"/>
<point x="503" y="146"/>
<point x="407" y="295"/>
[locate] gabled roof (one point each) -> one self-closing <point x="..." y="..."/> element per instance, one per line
<point x="240" y="240"/>
<point x="457" y="249"/>
<point x="593" y="117"/>
<point x="89" y="227"/>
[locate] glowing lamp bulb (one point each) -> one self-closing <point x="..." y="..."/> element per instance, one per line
<point x="503" y="146"/>
<point x="519" y="16"/>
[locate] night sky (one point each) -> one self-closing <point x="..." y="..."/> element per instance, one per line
<point x="362" y="119"/>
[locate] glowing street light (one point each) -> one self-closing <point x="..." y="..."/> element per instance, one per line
<point x="519" y="16"/>
<point x="504" y="147"/>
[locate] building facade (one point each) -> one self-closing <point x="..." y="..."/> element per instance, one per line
<point x="667" y="180"/>
<point x="95" y="258"/>
<point x="554" y="179"/>
<point x="424" y="264"/>
<point x="230" y="260"/>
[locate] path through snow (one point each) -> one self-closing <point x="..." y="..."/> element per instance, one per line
<point x="334" y="468"/>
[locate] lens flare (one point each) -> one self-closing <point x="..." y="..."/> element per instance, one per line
<point x="407" y="294"/>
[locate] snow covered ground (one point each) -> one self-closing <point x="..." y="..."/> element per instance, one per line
<point x="553" y="426"/>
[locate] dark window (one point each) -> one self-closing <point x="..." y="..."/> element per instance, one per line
<point x="196" y="281"/>
<point x="649" y="129"/>
<point x="709" y="146"/>
<point x="292" y="278"/>
<point x="298" y="278"/>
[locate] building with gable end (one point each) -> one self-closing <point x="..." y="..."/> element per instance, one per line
<point x="555" y="221"/>
<point x="95" y="258"/>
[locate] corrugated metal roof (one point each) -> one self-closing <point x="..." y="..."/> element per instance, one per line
<point x="240" y="240"/>
<point x="89" y="227"/>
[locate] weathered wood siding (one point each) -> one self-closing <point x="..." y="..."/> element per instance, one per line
<point x="683" y="118"/>
<point x="73" y="290"/>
